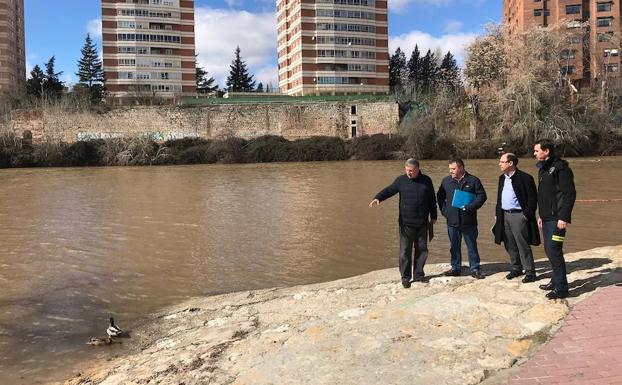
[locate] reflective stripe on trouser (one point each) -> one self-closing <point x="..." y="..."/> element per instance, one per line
<point x="553" y="246"/>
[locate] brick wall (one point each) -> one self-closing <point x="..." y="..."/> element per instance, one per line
<point x="291" y="121"/>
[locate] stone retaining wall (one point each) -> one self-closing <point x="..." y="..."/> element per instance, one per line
<point x="291" y="121"/>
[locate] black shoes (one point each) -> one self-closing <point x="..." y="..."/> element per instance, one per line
<point x="477" y="274"/>
<point x="529" y="278"/>
<point x="452" y="273"/>
<point x="513" y="274"/>
<point x="419" y="278"/>
<point x="406" y="283"/>
<point x="556" y="294"/>
<point x="548" y="286"/>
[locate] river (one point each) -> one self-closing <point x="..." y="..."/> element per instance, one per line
<point x="80" y="244"/>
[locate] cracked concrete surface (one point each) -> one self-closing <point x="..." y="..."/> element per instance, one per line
<point x="361" y="330"/>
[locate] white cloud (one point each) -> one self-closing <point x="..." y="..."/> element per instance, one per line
<point x="398" y="5"/>
<point x="456" y="43"/>
<point x="452" y="26"/>
<point x="220" y="31"/>
<point x="233" y="3"/>
<point x="94" y="28"/>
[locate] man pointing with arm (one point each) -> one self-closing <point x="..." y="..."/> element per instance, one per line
<point x="417" y="209"/>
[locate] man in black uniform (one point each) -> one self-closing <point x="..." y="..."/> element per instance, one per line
<point x="556" y="197"/>
<point x="417" y="211"/>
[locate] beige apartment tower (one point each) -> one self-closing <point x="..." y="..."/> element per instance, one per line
<point x="149" y="47"/>
<point x="12" y="47"/>
<point x="332" y="47"/>
<point x="592" y="50"/>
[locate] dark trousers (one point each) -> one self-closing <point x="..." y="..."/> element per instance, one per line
<point x="553" y="246"/>
<point x="517" y="244"/>
<point x="409" y="236"/>
<point x="470" y="238"/>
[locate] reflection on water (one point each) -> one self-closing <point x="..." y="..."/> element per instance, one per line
<point x="78" y="245"/>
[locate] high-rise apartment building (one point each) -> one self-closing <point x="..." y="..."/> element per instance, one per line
<point x="12" y="47"/>
<point x="332" y="46"/>
<point x="149" y="47"/>
<point x="594" y="27"/>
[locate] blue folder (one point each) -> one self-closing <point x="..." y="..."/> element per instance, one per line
<point x="462" y="198"/>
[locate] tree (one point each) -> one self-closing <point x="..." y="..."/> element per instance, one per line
<point x="414" y="66"/>
<point x="34" y="85"/>
<point x="449" y="73"/>
<point x="397" y="69"/>
<point x="239" y="79"/>
<point x="205" y="83"/>
<point x="90" y="71"/>
<point x="429" y="71"/>
<point x="52" y="86"/>
<point x="485" y="63"/>
<point x="259" y="87"/>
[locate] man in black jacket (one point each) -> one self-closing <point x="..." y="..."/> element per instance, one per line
<point x="417" y="211"/>
<point x="516" y="225"/>
<point x="556" y="197"/>
<point x="461" y="221"/>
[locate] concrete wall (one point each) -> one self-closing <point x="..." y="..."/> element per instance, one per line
<point x="291" y="121"/>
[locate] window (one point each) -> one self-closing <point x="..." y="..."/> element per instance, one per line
<point x="604" y="37"/>
<point x="611" y="67"/>
<point x="604" y="21"/>
<point x="538" y="12"/>
<point x="611" y="52"/>
<point x="567" y="70"/>
<point x="603" y="7"/>
<point x="573" y="40"/>
<point x="568" y="54"/>
<point x="572" y="9"/>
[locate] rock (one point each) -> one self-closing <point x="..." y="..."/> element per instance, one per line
<point x="361" y="330"/>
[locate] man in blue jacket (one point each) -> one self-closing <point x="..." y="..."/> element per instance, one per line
<point x="461" y="221"/>
<point x="417" y="211"/>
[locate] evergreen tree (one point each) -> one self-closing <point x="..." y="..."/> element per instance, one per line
<point x="449" y="73"/>
<point x="239" y="79"/>
<point x="429" y="72"/>
<point x="414" y="66"/>
<point x="90" y="71"/>
<point x="205" y="83"/>
<point x="34" y="84"/>
<point x="397" y="69"/>
<point x="259" y="87"/>
<point x="52" y="85"/>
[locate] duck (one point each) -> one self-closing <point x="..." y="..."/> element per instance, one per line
<point x="114" y="331"/>
<point x="98" y="341"/>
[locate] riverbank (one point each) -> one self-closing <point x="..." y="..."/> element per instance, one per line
<point x="361" y="330"/>
<point x="143" y="151"/>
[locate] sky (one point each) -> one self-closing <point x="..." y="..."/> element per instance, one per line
<point x="221" y="25"/>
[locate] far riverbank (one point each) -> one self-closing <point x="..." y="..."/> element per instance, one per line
<point x="19" y="152"/>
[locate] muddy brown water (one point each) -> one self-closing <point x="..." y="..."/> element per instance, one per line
<point x="80" y="244"/>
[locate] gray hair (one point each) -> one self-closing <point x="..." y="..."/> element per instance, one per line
<point x="412" y="162"/>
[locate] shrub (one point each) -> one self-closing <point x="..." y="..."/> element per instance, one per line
<point x="316" y="149"/>
<point x="229" y="150"/>
<point x="376" y="147"/>
<point x="268" y="148"/>
<point x="196" y="155"/>
<point x="83" y="153"/>
<point x="50" y="154"/>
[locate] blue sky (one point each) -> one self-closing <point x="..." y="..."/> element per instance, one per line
<point x="223" y="24"/>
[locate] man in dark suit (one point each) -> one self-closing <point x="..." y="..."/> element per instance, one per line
<point x="516" y="225"/>
<point x="417" y="212"/>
